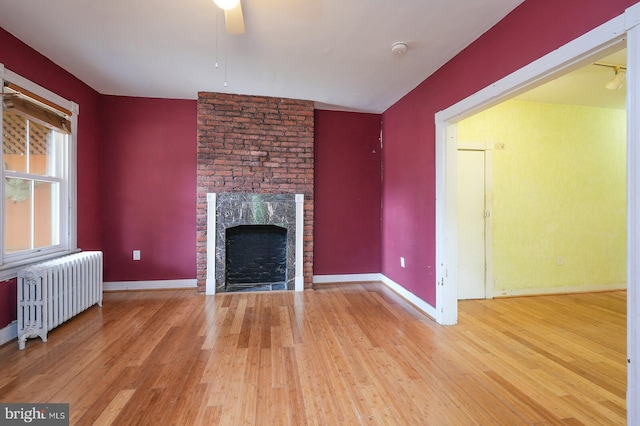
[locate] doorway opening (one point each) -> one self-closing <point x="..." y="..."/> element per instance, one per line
<point x="606" y="39"/>
<point x="560" y="189"/>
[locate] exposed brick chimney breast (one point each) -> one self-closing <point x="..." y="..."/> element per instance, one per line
<point x="254" y="144"/>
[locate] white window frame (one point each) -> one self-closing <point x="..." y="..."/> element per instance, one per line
<point x="10" y="264"/>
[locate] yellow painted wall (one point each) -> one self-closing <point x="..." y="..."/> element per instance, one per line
<point x="559" y="191"/>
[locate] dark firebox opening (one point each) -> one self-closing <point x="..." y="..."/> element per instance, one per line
<point x="256" y="255"/>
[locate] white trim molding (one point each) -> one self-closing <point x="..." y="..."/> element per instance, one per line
<point x="547" y="291"/>
<point x="299" y="279"/>
<point x="420" y="304"/>
<point x="347" y="278"/>
<point x="210" y="286"/>
<point x="632" y="19"/>
<point x="410" y="297"/>
<point x="149" y="285"/>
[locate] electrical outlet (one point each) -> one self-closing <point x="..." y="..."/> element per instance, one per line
<point x="559" y="261"/>
<point x="402" y="262"/>
<point x="136" y="255"/>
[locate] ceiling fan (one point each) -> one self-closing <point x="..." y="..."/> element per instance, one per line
<point x="234" y="21"/>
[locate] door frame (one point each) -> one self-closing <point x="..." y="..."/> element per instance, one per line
<point x="487" y="148"/>
<point x="595" y="44"/>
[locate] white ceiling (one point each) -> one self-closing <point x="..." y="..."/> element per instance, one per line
<point x="334" y="52"/>
<point x="584" y="86"/>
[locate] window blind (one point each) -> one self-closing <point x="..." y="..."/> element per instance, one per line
<point x="36" y="108"/>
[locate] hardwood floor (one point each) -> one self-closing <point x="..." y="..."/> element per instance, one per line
<point x="339" y="354"/>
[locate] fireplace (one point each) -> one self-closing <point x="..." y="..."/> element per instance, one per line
<point x="253" y="145"/>
<point x="256" y="258"/>
<point x="254" y="241"/>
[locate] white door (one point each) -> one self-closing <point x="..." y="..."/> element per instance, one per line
<point x="471" y="225"/>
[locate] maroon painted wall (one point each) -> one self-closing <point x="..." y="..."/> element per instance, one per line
<point x="347" y="193"/>
<point x="21" y="59"/>
<point x="8" y="304"/>
<point x="148" y="189"/>
<point x="532" y="30"/>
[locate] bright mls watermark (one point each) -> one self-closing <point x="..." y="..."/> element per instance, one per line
<point x="34" y="414"/>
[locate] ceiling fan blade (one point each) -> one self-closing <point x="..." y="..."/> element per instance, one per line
<point x="234" y="20"/>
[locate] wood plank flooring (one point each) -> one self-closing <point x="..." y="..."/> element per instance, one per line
<point x="338" y="355"/>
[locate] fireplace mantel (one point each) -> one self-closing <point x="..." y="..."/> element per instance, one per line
<point x="257" y="145"/>
<point x="226" y="210"/>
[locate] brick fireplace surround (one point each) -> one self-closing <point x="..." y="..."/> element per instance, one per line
<point x="254" y="144"/>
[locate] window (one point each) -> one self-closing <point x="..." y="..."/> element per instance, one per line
<point x="37" y="211"/>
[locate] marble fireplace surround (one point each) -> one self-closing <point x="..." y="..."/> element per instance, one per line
<point x="226" y="210"/>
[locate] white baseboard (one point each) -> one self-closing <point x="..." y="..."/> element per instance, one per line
<point x="346" y="278"/>
<point x="423" y="306"/>
<point x="558" y="290"/>
<point x="10" y="332"/>
<point x="412" y="298"/>
<point x="149" y="285"/>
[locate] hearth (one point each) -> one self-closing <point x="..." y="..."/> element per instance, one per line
<point x="254" y="242"/>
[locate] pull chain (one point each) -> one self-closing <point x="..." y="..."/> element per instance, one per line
<point x="217" y="25"/>
<point x="225" y="60"/>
